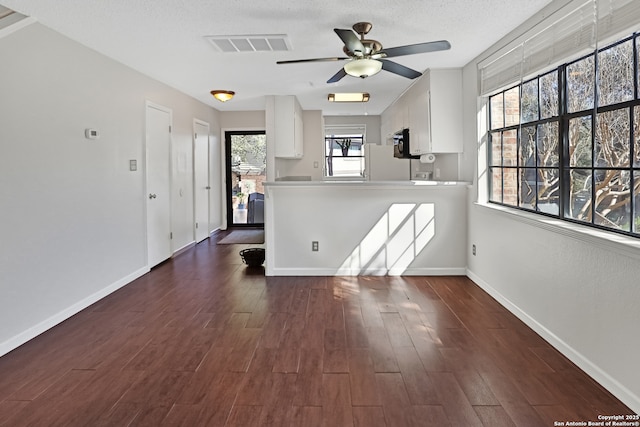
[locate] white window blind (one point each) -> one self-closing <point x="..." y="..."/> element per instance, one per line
<point x="617" y="19"/>
<point x="568" y="37"/>
<point x="504" y="70"/>
<point x="567" y="34"/>
<point x="338" y="130"/>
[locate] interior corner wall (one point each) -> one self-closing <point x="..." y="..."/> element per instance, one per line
<point x="577" y="294"/>
<point x="72" y="221"/>
<point x="216" y="181"/>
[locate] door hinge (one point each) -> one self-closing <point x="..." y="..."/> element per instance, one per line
<point x="169" y="128"/>
<point x="171" y="235"/>
<point x="196" y="225"/>
<point x="195" y="136"/>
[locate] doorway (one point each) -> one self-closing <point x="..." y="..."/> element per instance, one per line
<point x="246" y="165"/>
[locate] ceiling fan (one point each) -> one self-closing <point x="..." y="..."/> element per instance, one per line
<point x="366" y="57"/>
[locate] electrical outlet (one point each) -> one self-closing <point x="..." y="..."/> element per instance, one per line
<point x="473" y="250"/>
<point x="314" y="246"/>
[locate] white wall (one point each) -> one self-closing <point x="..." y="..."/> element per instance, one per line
<point x="216" y="168"/>
<point x="365" y="228"/>
<point x="72" y="222"/>
<point x="242" y="120"/>
<point x="579" y="292"/>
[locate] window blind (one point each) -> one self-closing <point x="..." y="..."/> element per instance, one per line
<point x="569" y="33"/>
<point x="568" y="37"/>
<point x="617" y="19"/>
<point x="503" y="71"/>
<point x="336" y="130"/>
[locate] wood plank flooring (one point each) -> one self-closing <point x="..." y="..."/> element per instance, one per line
<point x="203" y="341"/>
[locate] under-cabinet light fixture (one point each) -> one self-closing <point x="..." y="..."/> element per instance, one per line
<point x="348" y="97"/>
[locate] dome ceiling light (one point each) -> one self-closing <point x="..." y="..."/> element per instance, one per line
<point x="223" y="95"/>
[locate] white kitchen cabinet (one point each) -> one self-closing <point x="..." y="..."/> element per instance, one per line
<point x="435" y="112"/>
<point x="288" y="129"/>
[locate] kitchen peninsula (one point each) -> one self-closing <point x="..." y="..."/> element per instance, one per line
<point x="365" y="228"/>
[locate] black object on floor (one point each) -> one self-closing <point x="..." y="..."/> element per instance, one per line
<point x="253" y="257"/>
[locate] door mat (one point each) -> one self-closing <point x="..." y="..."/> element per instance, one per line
<point x="243" y="237"/>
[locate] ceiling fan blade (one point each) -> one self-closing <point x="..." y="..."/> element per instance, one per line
<point x="412" y="49"/>
<point x="296" y="61"/>
<point x="337" y="76"/>
<point x="398" y="69"/>
<point x="351" y="40"/>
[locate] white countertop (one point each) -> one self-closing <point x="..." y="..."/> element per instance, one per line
<point x="346" y="183"/>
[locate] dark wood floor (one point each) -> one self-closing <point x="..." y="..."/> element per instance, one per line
<point x="202" y="341"/>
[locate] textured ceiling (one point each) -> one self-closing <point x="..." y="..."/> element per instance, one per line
<point x="165" y="40"/>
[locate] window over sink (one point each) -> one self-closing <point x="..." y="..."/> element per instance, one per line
<point x="344" y="156"/>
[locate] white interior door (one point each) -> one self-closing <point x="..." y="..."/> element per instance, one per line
<point x="201" y="184"/>
<point x="158" y="145"/>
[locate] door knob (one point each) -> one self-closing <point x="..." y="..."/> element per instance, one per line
<point x="207" y="188"/>
<point x="152" y="196"/>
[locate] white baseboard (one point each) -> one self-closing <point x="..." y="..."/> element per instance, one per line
<point x="34" y="331"/>
<point x="593" y="370"/>
<point x="183" y="249"/>
<point x="452" y="271"/>
<point x="368" y="272"/>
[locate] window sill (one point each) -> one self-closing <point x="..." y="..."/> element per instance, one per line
<point x="623" y="245"/>
<point x="344" y="178"/>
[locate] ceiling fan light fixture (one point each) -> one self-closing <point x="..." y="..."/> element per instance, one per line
<point x="349" y="97"/>
<point x="363" y="67"/>
<point x="223" y="95"/>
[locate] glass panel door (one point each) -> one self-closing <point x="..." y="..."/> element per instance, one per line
<point x="246" y="157"/>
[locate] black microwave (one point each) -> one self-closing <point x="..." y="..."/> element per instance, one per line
<point x="401" y="145"/>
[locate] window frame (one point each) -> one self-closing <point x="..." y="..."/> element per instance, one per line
<point x="335" y="133"/>
<point x="564" y="117"/>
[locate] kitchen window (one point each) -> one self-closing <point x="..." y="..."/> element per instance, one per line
<point x="344" y="155"/>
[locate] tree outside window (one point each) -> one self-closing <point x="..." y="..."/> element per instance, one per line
<point x="344" y="152"/>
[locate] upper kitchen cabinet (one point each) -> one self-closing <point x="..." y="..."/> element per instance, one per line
<point x="435" y="112"/>
<point x="284" y="117"/>
<point x="432" y="110"/>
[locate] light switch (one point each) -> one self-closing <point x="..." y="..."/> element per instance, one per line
<point x="133" y="165"/>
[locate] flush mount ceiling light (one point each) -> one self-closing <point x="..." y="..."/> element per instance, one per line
<point x="348" y="97"/>
<point x="363" y="67"/>
<point x="223" y="95"/>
